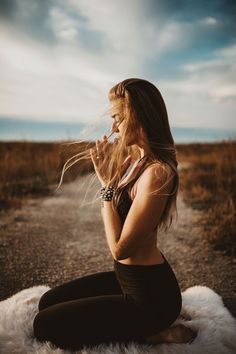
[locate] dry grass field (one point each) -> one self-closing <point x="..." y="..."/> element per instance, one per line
<point x="31" y="168"/>
<point x="208" y="183"/>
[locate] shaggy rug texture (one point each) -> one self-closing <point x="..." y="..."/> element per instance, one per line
<point x="215" y="325"/>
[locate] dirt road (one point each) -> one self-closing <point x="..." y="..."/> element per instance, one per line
<point x="55" y="239"/>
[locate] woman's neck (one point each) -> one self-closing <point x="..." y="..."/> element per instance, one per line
<point x="133" y="169"/>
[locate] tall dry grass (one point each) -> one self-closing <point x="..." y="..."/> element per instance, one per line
<point x="209" y="185"/>
<point x="30" y="168"/>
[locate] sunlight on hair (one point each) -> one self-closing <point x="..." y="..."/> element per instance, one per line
<point x="140" y="106"/>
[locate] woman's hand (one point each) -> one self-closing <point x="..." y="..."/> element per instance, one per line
<point x="100" y="155"/>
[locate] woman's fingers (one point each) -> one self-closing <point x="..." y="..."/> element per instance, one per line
<point x="101" y="150"/>
<point x="101" y="146"/>
<point x="93" y="154"/>
<point x="105" y="145"/>
<point x="98" y="147"/>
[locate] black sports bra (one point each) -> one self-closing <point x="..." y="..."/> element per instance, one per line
<point x="124" y="205"/>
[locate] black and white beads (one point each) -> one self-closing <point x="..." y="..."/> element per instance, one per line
<point x="107" y="193"/>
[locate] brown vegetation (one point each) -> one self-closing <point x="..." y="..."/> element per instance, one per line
<point x="208" y="183"/>
<point x="32" y="168"/>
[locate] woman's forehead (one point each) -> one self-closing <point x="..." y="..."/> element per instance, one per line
<point x="116" y="106"/>
<point x="115" y="110"/>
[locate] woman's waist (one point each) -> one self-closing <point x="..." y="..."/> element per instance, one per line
<point x="148" y="285"/>
<point x="147" y="255"/>
<point x="146" y="280"/>
<point x="156" y="266"/>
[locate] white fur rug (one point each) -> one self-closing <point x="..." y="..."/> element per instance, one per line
<point x="216" y="327"/>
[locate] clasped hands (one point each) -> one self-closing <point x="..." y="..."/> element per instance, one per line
<point x="100" y="154"/>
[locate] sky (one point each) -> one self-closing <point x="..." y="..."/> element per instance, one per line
<point x="59" y="58"/>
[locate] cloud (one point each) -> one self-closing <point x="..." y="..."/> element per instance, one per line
<point x="211" y="21"/>
<point x="217" y="74"/>
<point x="63" y="26"/>
<point x="58" y="60"/>
<point x="42" y="83"/>
<point x="30" y="17"/>
<point x="206" y="95"/>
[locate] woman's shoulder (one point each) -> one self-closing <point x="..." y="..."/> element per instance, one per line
<point x="153" y="176"/>
<point x="157" y="171"/>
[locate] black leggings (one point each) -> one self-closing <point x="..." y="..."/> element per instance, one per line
<point x="127" y="304"/>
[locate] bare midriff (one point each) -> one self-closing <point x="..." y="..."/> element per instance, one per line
<point x="147" y="254"/>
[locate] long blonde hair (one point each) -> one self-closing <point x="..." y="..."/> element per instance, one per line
<point x="140" y="104"/>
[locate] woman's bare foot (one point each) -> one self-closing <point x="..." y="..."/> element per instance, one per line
<point x="174" y="334"/>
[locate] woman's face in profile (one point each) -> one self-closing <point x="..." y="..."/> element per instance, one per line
<point x="118" y="125"/>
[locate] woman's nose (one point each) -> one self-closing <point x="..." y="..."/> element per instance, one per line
<point x="115" y="128"/>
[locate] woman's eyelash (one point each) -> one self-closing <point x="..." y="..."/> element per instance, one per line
<point x="116" y="118"/>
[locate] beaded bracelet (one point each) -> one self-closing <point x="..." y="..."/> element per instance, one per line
<point x="107" y="193"/>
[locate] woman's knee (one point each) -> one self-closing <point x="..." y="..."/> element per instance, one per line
<point x="45" y="326"/>
<point x="46" y="300"/>
<point x="39" y="327"/>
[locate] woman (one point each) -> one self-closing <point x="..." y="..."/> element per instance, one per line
<point x="141" y="298"/>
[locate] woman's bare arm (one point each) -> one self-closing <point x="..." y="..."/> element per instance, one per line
<point x="112" y="225"/>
